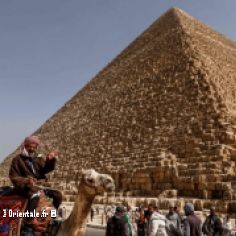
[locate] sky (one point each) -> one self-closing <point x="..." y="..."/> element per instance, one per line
<point x="50" y="49"/>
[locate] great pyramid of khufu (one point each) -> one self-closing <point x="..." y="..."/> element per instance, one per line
<point x="160" y="117"/>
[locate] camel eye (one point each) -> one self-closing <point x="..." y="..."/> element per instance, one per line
<point x="107" y="181"/>
<point x="90" y="180"/>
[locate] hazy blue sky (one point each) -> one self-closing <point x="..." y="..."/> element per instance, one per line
<point x="49" y="49"/>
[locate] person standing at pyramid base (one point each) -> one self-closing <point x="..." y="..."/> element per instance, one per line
<point x="28" y="168"/>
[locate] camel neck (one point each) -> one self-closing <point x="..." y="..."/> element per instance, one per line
<point x="78" y="217"/>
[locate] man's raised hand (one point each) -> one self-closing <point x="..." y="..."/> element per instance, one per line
<point x="53" y="154"/>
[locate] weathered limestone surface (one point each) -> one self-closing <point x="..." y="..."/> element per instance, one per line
<point x="160" y="117"/>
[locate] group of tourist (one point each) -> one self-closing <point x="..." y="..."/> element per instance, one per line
<point x="150" y="222"/>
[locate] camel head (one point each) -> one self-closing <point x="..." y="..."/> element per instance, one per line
<point x="94" y="183"/>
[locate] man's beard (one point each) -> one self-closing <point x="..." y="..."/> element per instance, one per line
<point x="32" y="154"/>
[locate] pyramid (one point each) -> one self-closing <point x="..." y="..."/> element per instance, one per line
<point x="160" y="117"/>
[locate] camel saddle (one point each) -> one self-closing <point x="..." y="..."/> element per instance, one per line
<point x="15" y="220"/>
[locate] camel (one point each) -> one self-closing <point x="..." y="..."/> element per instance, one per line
<point x="91" y="184"/>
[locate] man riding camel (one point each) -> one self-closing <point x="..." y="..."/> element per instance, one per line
<point x="27" y="168"/>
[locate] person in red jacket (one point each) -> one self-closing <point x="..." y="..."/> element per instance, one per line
<point x="28" y="168"/>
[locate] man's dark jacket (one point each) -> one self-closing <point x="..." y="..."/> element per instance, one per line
<point x="117" y="226"/>
<point x="23" y="167"/>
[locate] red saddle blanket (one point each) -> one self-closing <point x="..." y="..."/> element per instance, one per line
<point x="11" y="208"/>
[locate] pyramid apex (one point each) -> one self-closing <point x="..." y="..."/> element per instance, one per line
<point x="175" y="16"/>
<point x="178" y="12"/>
<point x="175" y="9"/>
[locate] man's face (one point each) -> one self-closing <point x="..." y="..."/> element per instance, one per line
<point x="212" y="212"/>
<point x="176" y="209"/>
<point x="150" y="210"/>
<point x="31" y="148"/>
<point x="171" y="210"/>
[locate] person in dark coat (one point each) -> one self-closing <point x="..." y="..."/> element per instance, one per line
<point x="213" y="225"/>
<point x="28" y="168"/>
<point x="191" y="224"/>
<point x="92" y="212"/>
<point x="117" y="225"/>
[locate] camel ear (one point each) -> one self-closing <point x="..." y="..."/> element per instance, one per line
<point x="79" y="173"/>
<point x="82" y="171"/>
